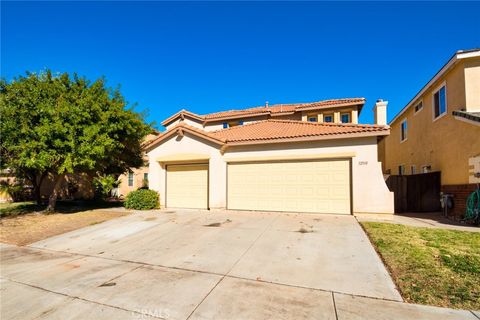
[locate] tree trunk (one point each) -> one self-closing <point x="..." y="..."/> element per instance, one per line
<point x="52" y="200"/>
<point x="37" y="187"/>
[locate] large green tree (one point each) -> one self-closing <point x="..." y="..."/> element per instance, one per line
<point x="61" y="124"/>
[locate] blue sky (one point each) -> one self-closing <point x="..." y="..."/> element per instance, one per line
<point x="213" y="56"/>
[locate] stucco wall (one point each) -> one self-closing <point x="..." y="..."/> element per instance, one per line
<point x="446" y="144"/>
<point x="370" y="194"/>
<point x="472" y="85"/>
<point x="138" y="181"/>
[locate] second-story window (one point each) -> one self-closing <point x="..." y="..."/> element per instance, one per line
<point x="403" y="130"/>
<point x="312" y="118"/>
<point x="418" y="106"/>
<point x="440" y="102"/>
<point x="345" y="118"/>
<point x="328" y="119"/>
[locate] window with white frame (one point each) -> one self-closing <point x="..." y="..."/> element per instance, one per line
<point x="328" y="119"/>
<point x="413" y="169"/>
<point x="401" y="170"/>
<point x="440" y="102"/>
<point x="345" y="118"/>
<point x="403" y="130"/>
<point x="312" y="118"/>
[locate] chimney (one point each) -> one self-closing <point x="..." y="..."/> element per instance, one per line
<point x="380" y="112"/>
<point x="266" y="104"/>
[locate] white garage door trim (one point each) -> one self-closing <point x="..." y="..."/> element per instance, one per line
<point x="315" y="206"/>
<point x="178" y="204"/>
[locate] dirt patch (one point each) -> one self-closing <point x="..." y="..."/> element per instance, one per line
<point x="29" y="228"/>
<point x="217" y="224"/>
<point x="304" y="230"/>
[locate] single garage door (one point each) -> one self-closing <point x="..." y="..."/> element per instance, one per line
<point x="297" y="186"/>
<point x="187" y="186"/>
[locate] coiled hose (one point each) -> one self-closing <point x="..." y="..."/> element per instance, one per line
<point x="473" y="207"/>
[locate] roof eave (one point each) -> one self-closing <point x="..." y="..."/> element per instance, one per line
<point x="181" y="114"/>
<point x="340" y="105"/>
<point x="179" y="130"/>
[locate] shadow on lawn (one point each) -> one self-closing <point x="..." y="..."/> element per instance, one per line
<point x="437" y="217"/>
<point x="63" y="206"/>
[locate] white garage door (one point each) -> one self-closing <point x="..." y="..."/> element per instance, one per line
<point x="297" y="186"/>
<point x="187" y="186"/>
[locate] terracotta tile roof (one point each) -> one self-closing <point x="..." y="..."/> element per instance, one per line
<point x="273" y="110"/>
<point x="285" y="108"/>
<point x="270" y="130"/>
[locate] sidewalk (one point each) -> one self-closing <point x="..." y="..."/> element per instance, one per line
<point x="418" y="219"/>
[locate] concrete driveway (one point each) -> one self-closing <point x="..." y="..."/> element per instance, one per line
<point x="197" y="265"/>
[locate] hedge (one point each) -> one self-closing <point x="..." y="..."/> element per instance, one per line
<point x="142" y="199"/>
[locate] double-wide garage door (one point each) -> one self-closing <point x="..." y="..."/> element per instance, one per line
<point x="187" y="186"/>
<point x="297" y="186"/>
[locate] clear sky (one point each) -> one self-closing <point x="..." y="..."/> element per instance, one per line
<point x="213" y="56"/>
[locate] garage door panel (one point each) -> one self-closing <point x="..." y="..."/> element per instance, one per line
<point x="303" y="186"/>
<point x="187" y="186"/>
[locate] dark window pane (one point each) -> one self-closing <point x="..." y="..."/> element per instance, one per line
<point x="436" y="104"/>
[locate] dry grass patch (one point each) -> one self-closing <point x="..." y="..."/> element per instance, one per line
<point x="28" y="228"/>
<point x="431" y="266"/>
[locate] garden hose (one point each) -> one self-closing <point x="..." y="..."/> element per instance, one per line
<point x="473" y="205"/>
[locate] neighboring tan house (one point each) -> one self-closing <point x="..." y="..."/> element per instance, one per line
<point x="290" y="157"/>
<point x="439" y="129"/>
<point x="135" y="178"/>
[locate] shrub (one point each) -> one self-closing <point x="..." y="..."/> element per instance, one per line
<point x="142" y="199"/>
<point x="104" y="184"/>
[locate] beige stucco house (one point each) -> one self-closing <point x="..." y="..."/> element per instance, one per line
<point x="439" y="129"/>
<point x="306" y="157"/>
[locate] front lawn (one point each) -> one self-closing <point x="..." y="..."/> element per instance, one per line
<point x="431" y="266"/>
<point x="23" y="223"/>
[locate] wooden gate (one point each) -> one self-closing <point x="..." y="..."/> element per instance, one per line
<point x="416" y="192"/>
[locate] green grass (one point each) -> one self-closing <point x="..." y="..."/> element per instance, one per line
<point x="20" y="208"/>
<point x="431" y="266"/>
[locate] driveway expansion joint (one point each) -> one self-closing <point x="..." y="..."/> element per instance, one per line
<point x="79" y="298"/>
<point x="334" y="306"/>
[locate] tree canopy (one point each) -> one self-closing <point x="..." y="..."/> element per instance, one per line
<point x="62" y="124"/>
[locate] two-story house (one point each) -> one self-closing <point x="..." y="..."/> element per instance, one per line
<point x="439" y="129"/>
<point x="304" y="157"/>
